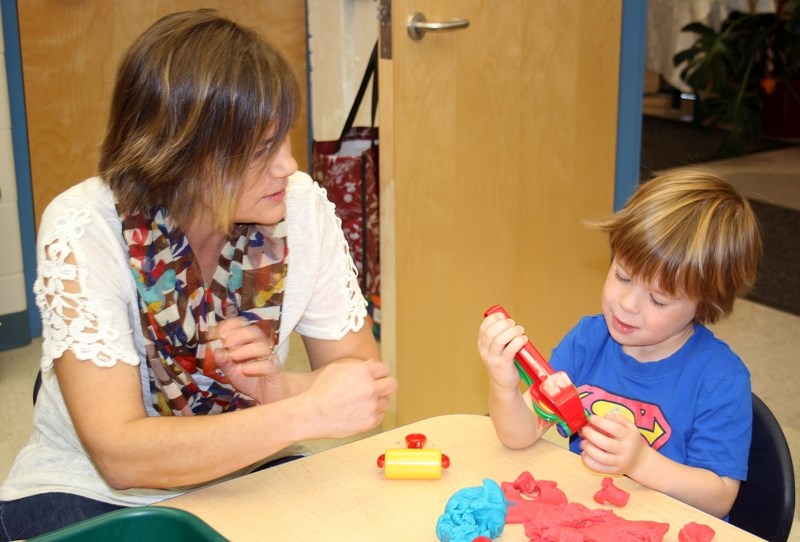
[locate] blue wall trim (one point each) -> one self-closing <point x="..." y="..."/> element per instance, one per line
<point x="631" y="90"/>
<point x="310" y="104"/>
<point x="14" y="330"/>
<point x="22" y="163"/>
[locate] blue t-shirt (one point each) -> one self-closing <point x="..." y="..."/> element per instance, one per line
<point x="694" y="407"/>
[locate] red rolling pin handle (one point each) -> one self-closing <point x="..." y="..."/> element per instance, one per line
<point x="558" y="404"/>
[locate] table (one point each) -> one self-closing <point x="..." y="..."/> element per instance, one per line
<point x="341" y="494"/>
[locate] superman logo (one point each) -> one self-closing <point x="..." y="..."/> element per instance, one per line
<point x="649" y="418"/>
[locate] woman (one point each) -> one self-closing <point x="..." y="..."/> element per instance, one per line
<point x="169" y="286"/>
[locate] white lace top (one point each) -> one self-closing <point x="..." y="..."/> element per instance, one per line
<point x="80" y="239"/>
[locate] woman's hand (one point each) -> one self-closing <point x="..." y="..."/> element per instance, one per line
<point x="351" y="397"/>
<point x="499" y="339"/>
<point x="612" y="444"/>
<point x="248" y="360"/>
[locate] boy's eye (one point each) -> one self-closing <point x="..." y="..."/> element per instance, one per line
<point x="621" y="278"/>
<point x="657" y="303"/>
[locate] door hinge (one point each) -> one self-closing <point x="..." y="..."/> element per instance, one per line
<point x="385" y="19"/>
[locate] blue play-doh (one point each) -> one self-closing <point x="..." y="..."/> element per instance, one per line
<point x="472" y="512"/>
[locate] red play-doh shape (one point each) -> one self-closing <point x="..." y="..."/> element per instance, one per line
<point x="526" y="496"/>
<point x="696" y="532"/>
<point x="547" y="516"/>
<point x="611" y="494"/>
<point x="574" y="521"/>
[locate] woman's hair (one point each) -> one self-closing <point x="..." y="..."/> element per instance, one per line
<point x="692" y="234"/>
<point x="196" y="95"/>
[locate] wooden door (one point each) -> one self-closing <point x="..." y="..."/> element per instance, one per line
<point x="70" y="53"/>
<point x="496" y="142"/>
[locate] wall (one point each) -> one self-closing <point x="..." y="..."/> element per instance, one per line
<point x="341" y="34"/>
<point x="13" y="306"/>
<point x="70" y="53"/>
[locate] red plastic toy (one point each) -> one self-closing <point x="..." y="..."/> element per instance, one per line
<point x="556" y="400"/>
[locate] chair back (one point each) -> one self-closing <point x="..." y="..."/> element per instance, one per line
<point x="765" y="504"/>
<point x="36" y="385"/>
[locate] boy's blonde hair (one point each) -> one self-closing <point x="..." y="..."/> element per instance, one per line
<point x="692" y="234"/>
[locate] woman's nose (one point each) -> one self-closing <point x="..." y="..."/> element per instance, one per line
<point x="284" y="164"/>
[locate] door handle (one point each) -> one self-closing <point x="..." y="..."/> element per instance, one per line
<point x="417" y="26"/>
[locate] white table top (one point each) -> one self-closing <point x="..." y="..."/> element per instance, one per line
<point x="341" y="494"/>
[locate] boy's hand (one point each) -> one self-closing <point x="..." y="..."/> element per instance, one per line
<point x="612" y="444"/>
<point x="499" y="339"/>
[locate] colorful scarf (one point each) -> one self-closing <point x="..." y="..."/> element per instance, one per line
<point x="177" y="310"/>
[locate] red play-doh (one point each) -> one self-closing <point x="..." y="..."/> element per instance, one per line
<point x="611" y="494"/>
<point x="526" y="496"/>
<point x="696" y="532"/>
<point x="548" y="517"/>
<point x="574" y="521"/>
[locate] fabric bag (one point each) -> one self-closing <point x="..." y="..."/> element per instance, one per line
<point x="348" y="169"/>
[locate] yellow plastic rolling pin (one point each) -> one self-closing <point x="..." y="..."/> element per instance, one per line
<point x="413" y="462"/>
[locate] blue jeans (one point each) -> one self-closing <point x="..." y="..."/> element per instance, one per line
<point x="40" y="514"/>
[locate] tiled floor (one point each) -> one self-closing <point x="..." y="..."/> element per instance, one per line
<point x="767" y="339"/>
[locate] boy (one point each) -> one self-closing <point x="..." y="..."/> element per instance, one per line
<point x="670" y="405"/>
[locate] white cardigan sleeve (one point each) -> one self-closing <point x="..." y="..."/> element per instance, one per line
<point x="322" y="297"/>
<point x="78" y="244"/>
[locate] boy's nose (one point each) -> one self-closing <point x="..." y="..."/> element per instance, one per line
<point x="629" y="302"/>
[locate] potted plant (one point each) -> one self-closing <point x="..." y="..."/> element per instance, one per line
<point x="739" y="71"/>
